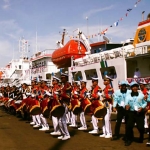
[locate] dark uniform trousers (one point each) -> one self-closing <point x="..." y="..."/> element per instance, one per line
<point x="121" y="112"/>
<point x="138" y="118"/>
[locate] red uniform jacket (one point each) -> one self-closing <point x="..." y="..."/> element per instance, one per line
<point x="82" y="94"/>
<point x="95" y="91"/>
<point x="108" y="92"/>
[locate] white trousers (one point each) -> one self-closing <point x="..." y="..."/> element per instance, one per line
<point x="82" y="120"/>
<point x="145" y="122"/>
<point x="34" y="119"/>
<point x="73" y="119"/>
<point x="43" y="121"/>
<point x="63" y="124"/>
<point x="107" y="122"/>
<point x="94" y="122"/>
<point x="55" y="124"/>
<point x="68" y="116"/>
<point x="38" y="119"/>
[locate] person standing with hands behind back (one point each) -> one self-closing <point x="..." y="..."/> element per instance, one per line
<point x="119" y="106"/>
<point x="135" y="104"/>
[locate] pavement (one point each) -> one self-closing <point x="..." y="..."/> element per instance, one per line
<point x="17" y="134"/>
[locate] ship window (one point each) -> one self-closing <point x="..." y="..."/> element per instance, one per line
<point x="19" y="66"/>
<point x="109" y="71"/>
<point x="90" y="73"/>
<point x="77" y="76"/>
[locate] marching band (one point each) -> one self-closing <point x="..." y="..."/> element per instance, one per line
<point x="64" y="102"/>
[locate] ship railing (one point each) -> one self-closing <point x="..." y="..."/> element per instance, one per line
<point x="39" y="70"/>
<point x="43" y="53"/>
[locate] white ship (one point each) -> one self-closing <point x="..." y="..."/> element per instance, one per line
<point x="117" y="60"/>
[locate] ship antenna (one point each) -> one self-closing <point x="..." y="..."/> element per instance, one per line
<point x="143" y="15"/>
<point x="63" y="36"/>
<point x="23" y="47"/>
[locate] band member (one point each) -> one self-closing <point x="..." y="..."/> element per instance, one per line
<point x="135" y="104"/>
<point x="145" y="92"/>
<point x="55" y="89"/>
<point x="95" y="96"/>
<point x="65" y="99"/>
<point x="74" y="95"/>
<point x="108" y="92"/>
<point x="119" y="106"/>
<point x="148" y="100"/>
<point x="82" y="95"/>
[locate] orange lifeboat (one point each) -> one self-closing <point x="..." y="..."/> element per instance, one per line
<point x="62" y="56"/>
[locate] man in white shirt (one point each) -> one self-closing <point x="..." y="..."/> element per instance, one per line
<point x="137" y="73"/>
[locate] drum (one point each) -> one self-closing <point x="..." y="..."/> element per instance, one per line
<point x="85" y="105"/>
<point x="76" y="106"/>
<point x="34" y="107"/>
<point x="98" y="109"/>
<point x="14" y="105"/>
<point x="45" y="107"/>
<point x="148" y="105"/>
<point x="57" y="109"/>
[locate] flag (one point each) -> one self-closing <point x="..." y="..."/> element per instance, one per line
<point x="104" y="31"/>
<point x="129" y="9"/>
<point x="116" y="23"/>
<point x="121" y="19"/>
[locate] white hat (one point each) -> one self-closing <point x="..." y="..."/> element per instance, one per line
<point x="108" y="78"/>
<point x="93" y="78"/>
<point x="55" y="78"/>
<point x="64" y="74"/>
<point x="83" y="81"/>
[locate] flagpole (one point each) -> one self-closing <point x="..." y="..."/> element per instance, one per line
<point x="87" y="24"/>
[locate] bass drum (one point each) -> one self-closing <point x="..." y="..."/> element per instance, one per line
<point x="34" y="107"/>
<point x="85" y="105"/>
<point x="45" y="107"/>
<point x="148" y="105"/>
<point x="98" y="109"/>
<point x="76" y="106"/>
<point x="57" y="109"/>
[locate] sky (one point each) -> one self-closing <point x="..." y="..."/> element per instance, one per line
<point x="48" y="18"/>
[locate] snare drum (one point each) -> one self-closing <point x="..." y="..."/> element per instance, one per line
<point x="76" y="106"/>
<point x="57" y="109"/>
<point x="34" y="107"/>
<point x="85" y="105"/>
<point x="148" y="105"/>
<point x="45" y="107"/>
<point x="98" y="109"/>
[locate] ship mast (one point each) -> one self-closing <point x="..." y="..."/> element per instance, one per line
<point x="63" y="36"/>
<point x="23" y="47"/>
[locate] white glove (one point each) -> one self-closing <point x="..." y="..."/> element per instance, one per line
<point x="28" y="94"/>
<point x="47" y="93"/>
<point x="18" y="102"/>
<point x="10" y="100"/>
<point x="75" y="92"/>
<point x="99" y="94"/>
<point x="56" y="93"/>
<point x="87" y="94"/>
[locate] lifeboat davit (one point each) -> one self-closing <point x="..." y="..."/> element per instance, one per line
<point x="62" y="57"/>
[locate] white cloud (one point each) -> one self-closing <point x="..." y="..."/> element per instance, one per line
<point x="6" y="4"/>
<point x="13" y="32"/>
<point x="93" y="11"/>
